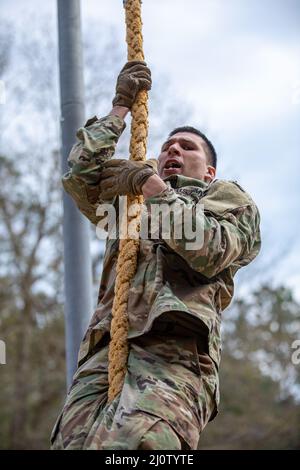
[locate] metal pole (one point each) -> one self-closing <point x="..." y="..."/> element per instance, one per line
<point x="77" y="258"/>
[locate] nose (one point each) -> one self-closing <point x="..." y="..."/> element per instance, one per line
<point x="174" y="149"/>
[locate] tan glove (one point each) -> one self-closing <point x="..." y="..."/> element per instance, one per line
<point x="119" y="177"/>
<point x="134" y="77"/>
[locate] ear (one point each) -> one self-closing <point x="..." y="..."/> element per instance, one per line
<point x="210" y="173"/>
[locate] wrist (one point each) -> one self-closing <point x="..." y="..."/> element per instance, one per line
<point x="153" y="185"/>
<point x="120" y="111"/>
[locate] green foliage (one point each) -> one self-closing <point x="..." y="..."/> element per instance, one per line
<point x="33" y="385"/>
<point x="31" y="315"/>
<point x="260" y="387"/>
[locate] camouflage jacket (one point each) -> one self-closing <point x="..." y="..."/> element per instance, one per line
<point x="189" y="288"/>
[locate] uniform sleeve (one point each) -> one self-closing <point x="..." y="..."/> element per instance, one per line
<point x="96" y="144"/>
<point x="227" y="224"/>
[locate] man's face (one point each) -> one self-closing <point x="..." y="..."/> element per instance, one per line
<point x="184" y="154"/>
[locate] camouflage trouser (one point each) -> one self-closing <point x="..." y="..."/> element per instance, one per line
<point x="168" y="397"/>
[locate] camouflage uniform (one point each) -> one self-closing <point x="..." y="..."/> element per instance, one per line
<point x="175" y="304"/>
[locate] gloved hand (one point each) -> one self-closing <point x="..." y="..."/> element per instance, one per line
<point x="134" y="77"/>
<point x="119" y="177"/>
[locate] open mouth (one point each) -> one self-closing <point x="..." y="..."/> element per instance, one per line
<point x="172" y="166"/>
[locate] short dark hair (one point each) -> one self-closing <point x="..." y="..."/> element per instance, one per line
<point x="210" y="150"/>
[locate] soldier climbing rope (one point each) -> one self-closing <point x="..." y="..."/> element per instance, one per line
<point x="160" y="392"/>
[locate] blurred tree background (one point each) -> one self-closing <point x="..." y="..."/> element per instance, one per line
<point x="260" y="390"/>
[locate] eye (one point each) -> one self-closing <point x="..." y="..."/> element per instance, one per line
<point x="186" y="147"/>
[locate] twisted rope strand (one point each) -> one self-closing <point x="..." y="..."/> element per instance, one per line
<point x="129" y="247"/>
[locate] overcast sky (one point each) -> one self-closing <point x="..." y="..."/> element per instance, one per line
<point x="237" y="62"/>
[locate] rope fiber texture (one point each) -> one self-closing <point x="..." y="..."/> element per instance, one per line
<point x="128" y="247"/>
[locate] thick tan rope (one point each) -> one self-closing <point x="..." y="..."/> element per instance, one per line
<point x="129" y="247"/>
